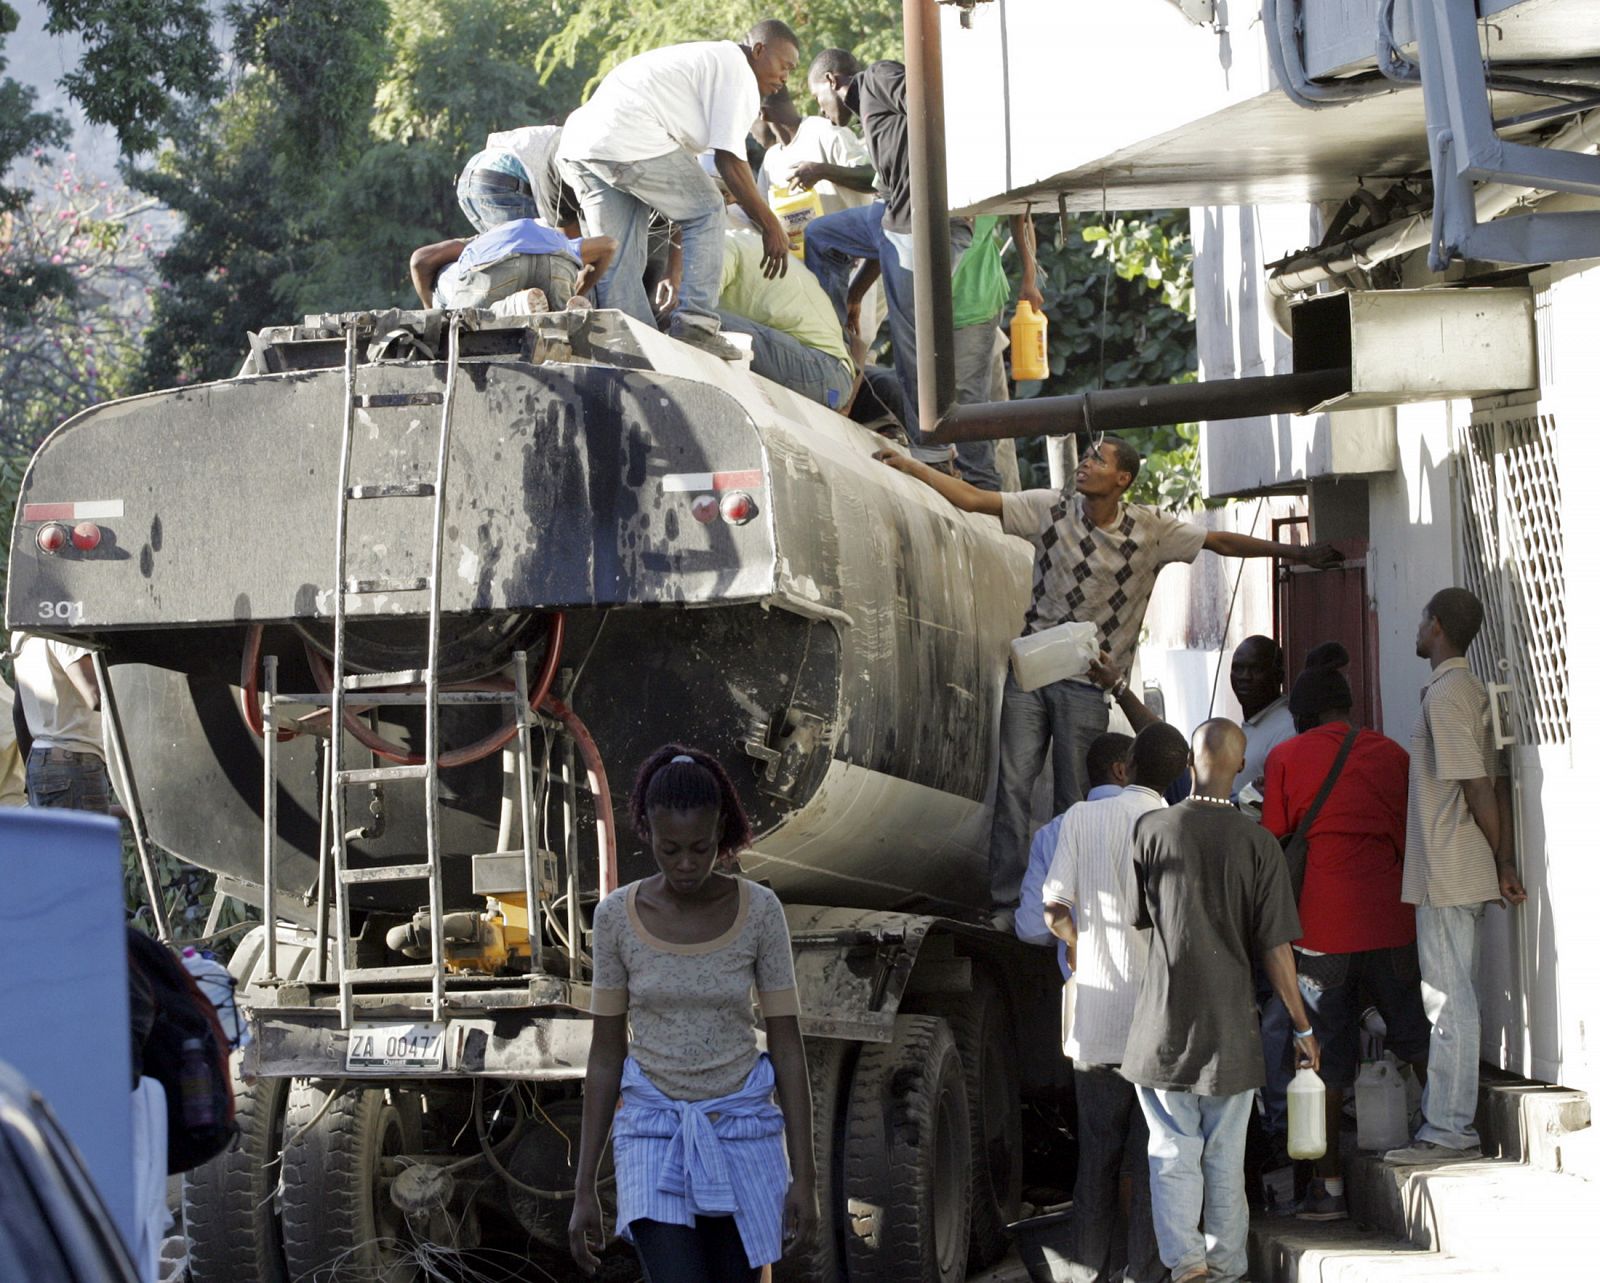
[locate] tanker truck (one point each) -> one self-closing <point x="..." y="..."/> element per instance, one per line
<point x="385" y="623"/>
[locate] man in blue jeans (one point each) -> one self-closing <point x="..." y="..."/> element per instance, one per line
<point x="1096" y="559"/>
<point x="1213" y="891"/>
<point x="879" y="234"/>
<point x="633" y="147"/>
<point x="1460" y="857"/>
<point x="60" y="698"/>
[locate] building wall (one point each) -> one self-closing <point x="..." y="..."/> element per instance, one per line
<point x="1540" y="970"/>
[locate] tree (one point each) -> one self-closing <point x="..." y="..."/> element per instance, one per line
<point x="598" y="34"/>
<point x="1119" y="296"/>
<point x="23" y="132"/>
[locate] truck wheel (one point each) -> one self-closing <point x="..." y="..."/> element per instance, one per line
<point x="818" y="1259"/>
<point x="337" y="1171"/>
<point x="229" y="1215"/>
<point x="908" y="1159"/>
<point x="981" y="1023"/>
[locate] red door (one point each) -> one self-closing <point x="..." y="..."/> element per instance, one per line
<point x="1314" y="606"/>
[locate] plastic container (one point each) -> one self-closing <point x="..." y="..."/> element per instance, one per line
<point x="1308" y="1119"/>
<point x="216" y="982"/>
<point x="1054" y="654"/>
<point x="794" y="210"/>
<point x="1382" y="1119"/>
<point x="1029" y="344"/>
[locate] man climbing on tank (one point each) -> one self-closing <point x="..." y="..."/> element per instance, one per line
<point x="1096" y="559"/>
<point x="633" y="148"/>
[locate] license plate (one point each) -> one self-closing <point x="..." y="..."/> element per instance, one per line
<point x="398" y="1046"/>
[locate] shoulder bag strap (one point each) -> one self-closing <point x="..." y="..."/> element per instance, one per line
<point x="1295" y="847"/>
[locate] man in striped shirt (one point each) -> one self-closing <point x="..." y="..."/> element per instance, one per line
<point x="1090" y="902"/>
<point x="1459" y="857"/>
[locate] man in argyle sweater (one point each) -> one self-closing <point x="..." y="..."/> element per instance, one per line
<point x="1095" y="558"/>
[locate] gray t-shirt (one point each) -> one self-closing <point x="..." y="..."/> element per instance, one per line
<point x="1094" y="574"/>
<point x="691" y="1024"/>
<point x="1214" y="892"/>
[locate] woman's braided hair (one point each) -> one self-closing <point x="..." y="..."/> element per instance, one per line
<point x="676" y="785"/>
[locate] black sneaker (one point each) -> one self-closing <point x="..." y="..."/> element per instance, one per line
<point x="710" y="342"/>
<point x="1319" y="1205"/>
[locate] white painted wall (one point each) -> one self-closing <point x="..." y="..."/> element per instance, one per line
<point x="1540" y="973"/>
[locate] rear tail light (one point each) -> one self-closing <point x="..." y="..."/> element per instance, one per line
<point x="85" y="536"/>
<point x="52" y="537"/>
<point x="738" y="508"/>
<point x="704" y="508"/>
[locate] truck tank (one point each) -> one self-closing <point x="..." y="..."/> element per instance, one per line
<point x="729" y="564"/>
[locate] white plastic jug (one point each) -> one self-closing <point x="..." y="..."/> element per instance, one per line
<point x="1054" y="654"/>
<point x="1308" y="1120"/>
<point x="1381" y="1115"/>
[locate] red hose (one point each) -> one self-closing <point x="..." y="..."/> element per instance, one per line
<point x="605" y="824"/>
<point x="249" y="688"/>
<point x="322" y="674"/>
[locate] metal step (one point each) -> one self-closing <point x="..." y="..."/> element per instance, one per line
<point x="381" y="774"/>
<point x="387" y="873"/>
<point x="399" y="490"/>
<point x="398" y="677"/>
<point x="397" y="400"/>
<point x="358" y="586"/>
<point x="418" y="971"/>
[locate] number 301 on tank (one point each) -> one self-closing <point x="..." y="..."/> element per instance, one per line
<point x="397" y="1046"/>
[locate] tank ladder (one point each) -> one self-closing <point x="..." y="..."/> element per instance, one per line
<point x="541" y="784"/>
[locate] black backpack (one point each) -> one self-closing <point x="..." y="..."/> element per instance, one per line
<point x="185" y="1051"/>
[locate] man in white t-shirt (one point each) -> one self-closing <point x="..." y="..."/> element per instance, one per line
<point x="61" y="702"/>
<point x="1090" y="903"/>
<point x="633" y="148"/>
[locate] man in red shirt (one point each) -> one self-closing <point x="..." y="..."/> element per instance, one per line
<point x="1360" y="938"/>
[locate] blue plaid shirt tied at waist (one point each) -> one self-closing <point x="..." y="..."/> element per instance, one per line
<point x="678" y="1159"/>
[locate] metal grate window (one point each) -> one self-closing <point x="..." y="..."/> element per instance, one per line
<point x="1513" y="559"/>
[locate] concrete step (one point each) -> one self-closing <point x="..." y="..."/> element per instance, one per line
<point x="1529" y="1122"/>
<point x="1491" y="1213"/>
<point x="1284" y="1250"/>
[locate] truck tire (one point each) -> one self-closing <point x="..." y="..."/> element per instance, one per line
<point x="908" y="1159"/>
<point x="981" y="1024"/>
<point x="336" y="1207"/>
<point x="819" y="1259"/>
<point x="229" y="1213"/>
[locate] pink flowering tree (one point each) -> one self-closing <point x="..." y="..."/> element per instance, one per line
<point x="92" y="243"/>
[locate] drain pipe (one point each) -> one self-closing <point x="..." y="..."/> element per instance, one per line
<point x="944" y="422"/>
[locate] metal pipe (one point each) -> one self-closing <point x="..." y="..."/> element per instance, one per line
<point x="1316" y="267"/>
<point x="930" y="213"/>
<point x="269" y="822"/>
<point x="943" y="421"/>
<point x="128" y="791"/>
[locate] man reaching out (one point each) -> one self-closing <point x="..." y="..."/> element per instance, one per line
<point x="1095" y="559"/>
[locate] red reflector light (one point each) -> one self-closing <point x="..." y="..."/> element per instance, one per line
<point x="737" y="507"/>
<point x="85" y="535"/>
<point x="704" y="508"/>
<point x="51" y="537"/>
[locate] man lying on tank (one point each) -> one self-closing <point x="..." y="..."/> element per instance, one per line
<point x="795" y="334"/>
<point x="1096" y="558"/>
<point x="511" y="268"/>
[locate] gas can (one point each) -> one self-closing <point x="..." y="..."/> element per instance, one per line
<point x="1308" y="1121"/>
<point x="1381" y="1115"/>
<point x="794" y="210"/>
<point x="1029" y="332"/>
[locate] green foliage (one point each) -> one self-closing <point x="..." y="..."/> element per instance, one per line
<point x="24" y="282"/>
<point x="1119" y="297"/>
<point x="139" y="56"/>
<point x="598" y="34"/>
